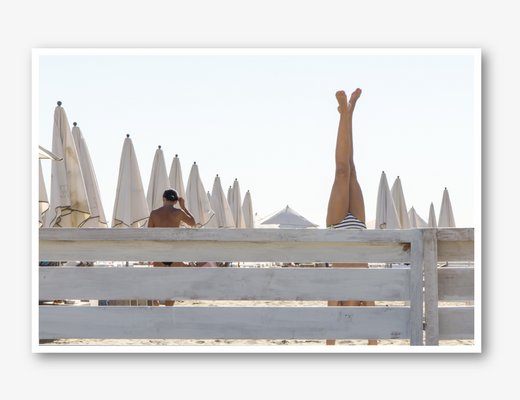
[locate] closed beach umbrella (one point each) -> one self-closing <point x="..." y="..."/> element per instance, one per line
<point x="288" y="218"/>
<point x="69" y="206"/>
<point x="220" y="205"/>
<point x="247" y="209"/>
<point x="230" y="197"/>
<point x="386" y="214"/>
<point x="197" y="200"/>
<point x="415" y="220"/>
<point x="130" y="206"/>
<point x="212" y="223"/>
<point x="43" y="200"/>
<point x="97" y="215"/>
<point x="432" y="221"/>
<point x="159" y="181"/>
<point x="400" y="204"/>
<point x="236" y="205"/>
<point x="176" y="181"/>
<point x="446" y="219"/>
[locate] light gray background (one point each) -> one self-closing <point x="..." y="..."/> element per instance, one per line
<point x="491" y="26"/>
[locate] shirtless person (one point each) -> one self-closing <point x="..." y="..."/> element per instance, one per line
<point x="169" y="216"/>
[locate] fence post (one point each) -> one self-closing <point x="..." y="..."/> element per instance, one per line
<point x="416" y="289"/>
<point x="431" y="287"/>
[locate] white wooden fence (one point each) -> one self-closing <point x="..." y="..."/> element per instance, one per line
<point x="421" y="248"/>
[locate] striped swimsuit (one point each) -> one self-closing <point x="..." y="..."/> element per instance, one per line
<point x="349" y="222"/>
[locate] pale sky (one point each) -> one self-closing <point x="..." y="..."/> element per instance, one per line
<point x="269" y="119"/>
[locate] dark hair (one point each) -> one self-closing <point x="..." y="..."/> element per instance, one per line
<point x="170" y="195"/>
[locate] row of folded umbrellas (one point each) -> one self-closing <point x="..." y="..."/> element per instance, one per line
<point x="75" y="199"/>
<point x="392" y="212"/>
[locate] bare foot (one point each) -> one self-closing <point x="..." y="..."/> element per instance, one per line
<point x="353" y="99"/>
<point x="345" y="106"/>
<point x="342" y="101"/>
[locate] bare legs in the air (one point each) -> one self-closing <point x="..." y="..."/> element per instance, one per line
<point x="346" y="195"/>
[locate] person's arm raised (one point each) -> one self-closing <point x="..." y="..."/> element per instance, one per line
<point x="186" y="217"/>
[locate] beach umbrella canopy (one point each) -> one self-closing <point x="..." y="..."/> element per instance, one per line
<point x="230" y="196"/>
<point x="159" y="181"/>
<point x="446" y="219"/>
<point x="386" y="214"/>
<point x="400" y="204"/>
<point x="220" y="205"/>
<point x="97" y="214"/>
<point x="236" y="205"/>
<point x="197" y="200"/>
<point x="43" y="200"/>
<point x="288" y="218"/>
<point x="213" y="222"/>
<point x="176" y="181"/>
<point x="432" y="221"/>
<point x="247" y="209"/>
<point x="130" y="206"/>
<point x="69" y="206"/>
<point x="415" y="220"/>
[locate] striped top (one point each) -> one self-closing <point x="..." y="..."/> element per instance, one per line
<point x="349" y="222"/>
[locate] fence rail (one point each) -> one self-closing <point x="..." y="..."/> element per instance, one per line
<point x="420" y="248"/>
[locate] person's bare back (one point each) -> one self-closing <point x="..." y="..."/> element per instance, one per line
<point x="167" y="217"/>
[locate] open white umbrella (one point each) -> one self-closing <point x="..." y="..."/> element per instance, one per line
<point x="288" y="218"/>
<point x="446" y="219"/>
<point x="432" y="221"/>
<point x="197" y="200"/>
<point x="247" y="209"/>
<point x="415" y="220"/>
<point x="69" y="206"/>
<point x="97" y="215"/>
<point x="219" y="204"/>
<point x="176" y="181"/>
<point x="236" y="206"/>
<point x="386" y="214"/>
<point x="400" y="204"/>
<point x="130" y="206"/>
<point x="159" y="181"/>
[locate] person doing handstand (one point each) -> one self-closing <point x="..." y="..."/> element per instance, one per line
<point x="168" y="216"/>
<point x="346" y="209"/>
